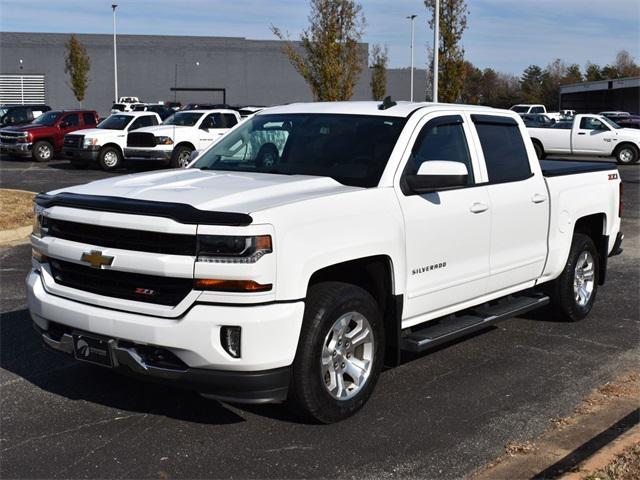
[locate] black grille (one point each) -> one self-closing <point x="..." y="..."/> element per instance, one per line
<point x="141" y="139"/>
<point x="73" y="141"/>
<point x="137" y="240"/>
<point x="112" y="283"/>
<point x="10" y="137"/>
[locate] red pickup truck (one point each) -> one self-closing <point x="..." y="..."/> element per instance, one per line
<point x="43" y="138"/>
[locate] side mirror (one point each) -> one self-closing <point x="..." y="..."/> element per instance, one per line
<point x="435" y="175"/>
<point x="64" y="124"/>
<point x="194" y="155"/>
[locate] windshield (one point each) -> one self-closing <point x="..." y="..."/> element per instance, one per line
<point x="185" y="119"/>
<point x="48" y="118"/>
<point x="139" y="108"/>
<point x="610" y="122"/>
<point x="520" y="109"/>
<point x="351" y="149"/>
<point x="115" y="122"/>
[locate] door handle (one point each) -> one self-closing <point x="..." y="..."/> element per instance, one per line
<point x="581" y="133"/>
<point x="478" y="207"/>
<point x="538" y="198"/>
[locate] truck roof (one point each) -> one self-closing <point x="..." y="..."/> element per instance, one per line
<point x="213" y="110"/>
<point x="401" y="109"/>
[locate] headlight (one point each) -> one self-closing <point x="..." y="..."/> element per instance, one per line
<point x="89" y="142"/>
<point x="228" y="249"/>
<point x="26" y="137"/>
<point x="40" y="228"/>
<point x="164" y="141"/>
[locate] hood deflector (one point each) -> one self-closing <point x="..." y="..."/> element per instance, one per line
<point x="180" y="212"/>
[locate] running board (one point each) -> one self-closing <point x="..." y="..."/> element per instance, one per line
<point x="448" y="328"/>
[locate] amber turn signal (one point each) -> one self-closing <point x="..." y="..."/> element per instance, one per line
<point x="38" y="255"/>
<point x="230" y="285"/>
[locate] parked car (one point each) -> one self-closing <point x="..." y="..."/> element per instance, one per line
<point x="206" y="106"/>
<point x="524" y="108"/>
<point x="175" y="106"/>
<point x="20" y="114"/>
<point x="163" y="111"/>
<point x="539" y="120"/>
<point x="105" y="143"/>
<point x="589" y="135"/>
<point x="624" y="119"/>
<point x="374" y="229"/>
<point x="119" y="107"/>
<point x="179" y="135"/>
<point x="43" y="137"/>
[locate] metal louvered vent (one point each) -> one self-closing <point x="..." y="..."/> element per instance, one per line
<point x="22" y="89"/>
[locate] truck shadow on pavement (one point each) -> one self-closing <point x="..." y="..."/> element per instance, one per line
<point x="22" y="353"/>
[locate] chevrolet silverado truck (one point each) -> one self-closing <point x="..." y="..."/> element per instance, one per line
<point x="371" y="229"/>
<point x="43" y="137"/>
<point x="594" y="135"/>
<point x="105" y="143"/>
<point x="179" y="135"/>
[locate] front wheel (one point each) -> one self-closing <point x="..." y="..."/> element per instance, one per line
<point x="42" y="151"/>
<point x="109" y="159"/>
<point x="627" y="154"/>
<point x="181" y="157"/>
<point x="339" y="355"/>
<point x="574" y="291"/>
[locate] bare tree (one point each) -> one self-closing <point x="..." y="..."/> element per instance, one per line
<point x="77" y="65"/>
<point x="331" y="58"/>
<point x="379" y="59"/>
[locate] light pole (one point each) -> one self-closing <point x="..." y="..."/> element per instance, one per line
<point x="115" y="54"/>
<point x="21" y="85"/>
<point x="412" y="18"/>
<point x="436" y="44"/>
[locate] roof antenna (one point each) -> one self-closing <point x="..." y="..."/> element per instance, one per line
<point x="387" y="103"/>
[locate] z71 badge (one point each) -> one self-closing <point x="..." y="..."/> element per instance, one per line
<point x="613" y="176"/>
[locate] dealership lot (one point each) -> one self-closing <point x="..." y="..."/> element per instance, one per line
<point x="438" y="415"/>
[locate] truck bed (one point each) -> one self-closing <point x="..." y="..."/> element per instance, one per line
<point x="556" y="168"/>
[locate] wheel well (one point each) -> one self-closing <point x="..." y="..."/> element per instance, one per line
<point x="185" y="144"/>
<point x="48" y="140"/>
<point x="624" y="144"/>
<point x="111" y="145"/>
<point x="594" y="226"/>
<point x="375" y="275"/>
<point x="538" y="142"/>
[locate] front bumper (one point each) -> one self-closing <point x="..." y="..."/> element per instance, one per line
<point x="19" y="149"/>
<point x="246" y="387"/>
<point x="80" y="154"/>
<point x="147" y="154"/>
<point x="269" y="340"/>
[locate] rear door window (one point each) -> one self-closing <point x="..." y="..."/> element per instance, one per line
<point x="503" y="147"/>
<point x="73" y="120"/>
<point x="89" y="118"/>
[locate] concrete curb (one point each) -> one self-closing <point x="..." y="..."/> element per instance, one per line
<point x="14" y="234"/>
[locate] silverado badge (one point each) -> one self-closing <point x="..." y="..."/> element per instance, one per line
<point x="96" y="259"/>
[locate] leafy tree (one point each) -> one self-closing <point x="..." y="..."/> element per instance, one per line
<point x="77" y="65"/>
<point x="625" y="65"/>
<point x="531" y="84"/>
<point x="592" y="72"/>
<point x="451" y="67"/>
<point x="472" y="91"/>
<point x="379" y="60"/>
<point x="331" y="58"/>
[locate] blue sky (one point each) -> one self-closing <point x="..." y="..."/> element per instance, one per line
<point x="506" y="35"/>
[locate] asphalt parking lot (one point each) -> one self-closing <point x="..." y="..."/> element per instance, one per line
<point x="439" y="415"/>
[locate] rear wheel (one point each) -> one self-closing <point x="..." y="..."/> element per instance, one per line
<point x="626" y="154"/>
<point x="339" y="355"/>
<point x="42" y="151"/>
<point x="109" y="159"/>
<point x="181" y="157"/>
<point x="539" y="150"/>
<point x="574" y="291"/>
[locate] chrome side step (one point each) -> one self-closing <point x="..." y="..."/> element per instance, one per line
<point x="449" y="328"/>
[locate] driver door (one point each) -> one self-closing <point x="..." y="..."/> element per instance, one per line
<point x="592" y="136"/>
<point x="69" y="123"/>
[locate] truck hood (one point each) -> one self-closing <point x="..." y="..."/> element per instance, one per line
<point x="631" y="132"/>
<point x="99" y="132"/>
<point x="238" y="192"/>
<point x="27" y="127"/>
<point x="166" y="130"/>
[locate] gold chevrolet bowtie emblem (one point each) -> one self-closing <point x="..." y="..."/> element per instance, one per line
<point x="96" y="259"/>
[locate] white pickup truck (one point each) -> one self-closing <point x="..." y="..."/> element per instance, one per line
<point x="368" y="229"/>
<point x="588" y="135"/>
<point x="529" y="108"/>
<point x="180" y="135"/>
<point x="105" y="144"/>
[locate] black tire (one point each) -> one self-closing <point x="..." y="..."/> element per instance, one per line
<point x="42" y="151"/>
<point x="626" y="154"/>
<point x="539" y="150"/>
<point x="109" y="158"/>
<point x="268" y="156"/>
<point x="561" y="290"/>
<point x="180" y="154"/>
<point x="326" y="303"/>
<point x="79" y="165"/>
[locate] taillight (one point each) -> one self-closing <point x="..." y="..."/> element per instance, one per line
<point x="620" y="202"/>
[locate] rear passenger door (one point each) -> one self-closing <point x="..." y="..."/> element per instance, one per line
<point x="448" y="231"/>
<point x="519" y="203"/>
